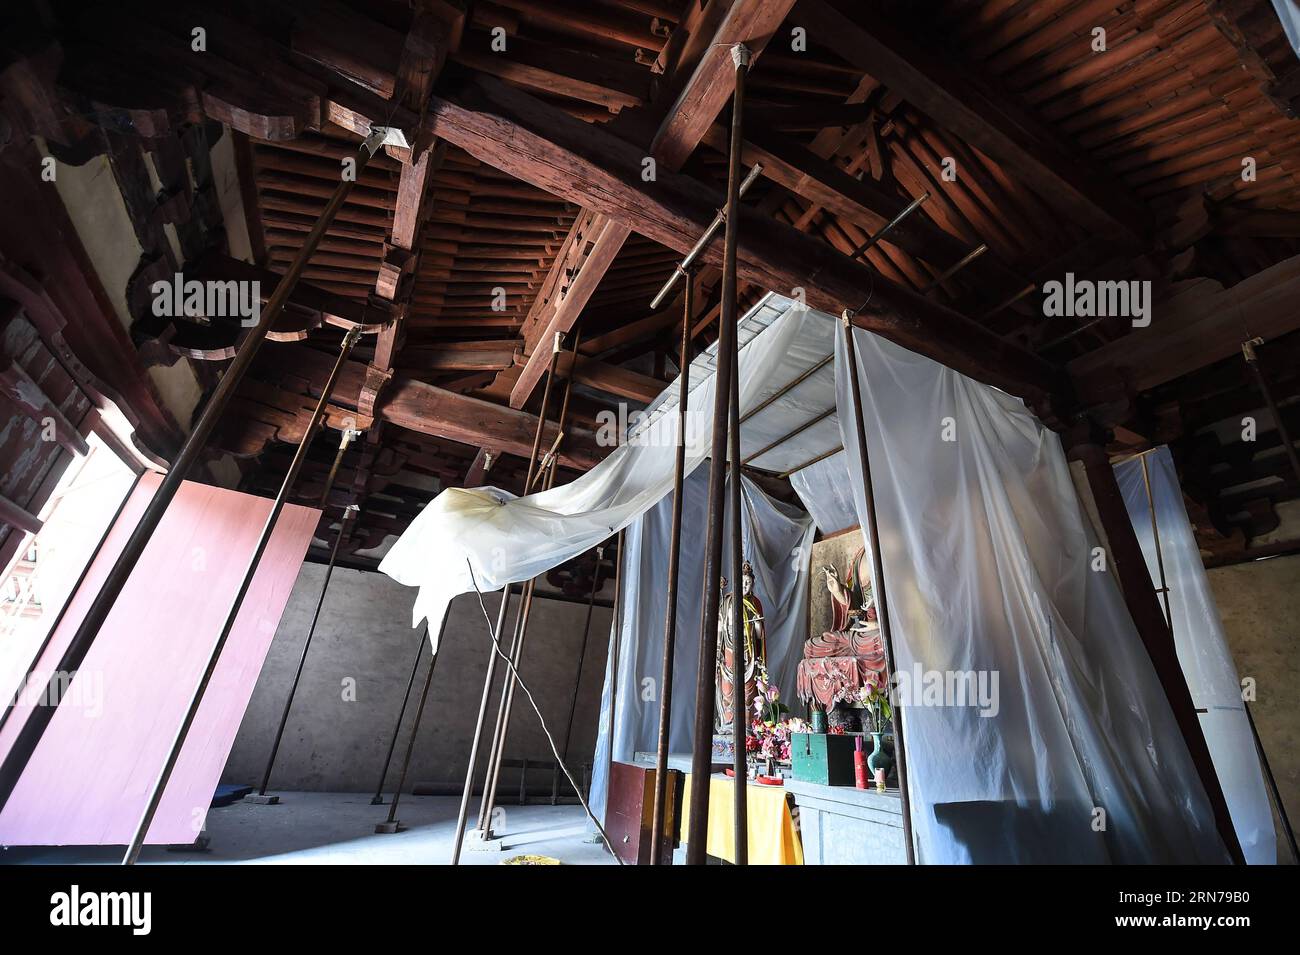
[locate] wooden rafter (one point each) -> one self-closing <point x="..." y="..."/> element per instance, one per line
<point x="692" y="113"/>
<point x="986" y="120"/>
<point x="511" y="130"/>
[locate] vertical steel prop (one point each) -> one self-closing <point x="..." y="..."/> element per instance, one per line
<point x="615" y="658"/>
<point x="674" y="569"/>
<point x="349" y="513"/>
<point x="489" y="677"/>
<point x="378" y="799"/>
<point x="739" y="658"/>
<point x="582" y="652"/>
<point x="548" y="466"/>
<point x="27" y="738"/>
<point x="702" y="750"/>
<point x="391" y="824"/>
<point x="196" y="698"/>
<point x="878" y="577"/>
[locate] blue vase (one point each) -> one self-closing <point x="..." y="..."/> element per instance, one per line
<point x="878" y="758"/>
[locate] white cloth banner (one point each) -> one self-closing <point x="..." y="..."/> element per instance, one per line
<point x="1202" y="648"/>
<point x="1073" y="754"/>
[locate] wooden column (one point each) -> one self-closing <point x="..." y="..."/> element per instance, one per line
<point x="1140" y="596"/>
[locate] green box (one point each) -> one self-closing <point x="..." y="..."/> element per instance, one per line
<point x="823" y="758"/>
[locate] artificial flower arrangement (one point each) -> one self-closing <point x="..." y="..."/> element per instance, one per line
<point x="875" y="702"/>
<point x="769" y="732"/>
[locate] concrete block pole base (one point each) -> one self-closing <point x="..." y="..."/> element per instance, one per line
<point x="389" y="826"/>
<point x="480" y="840"/>
<point x="259" y="799"/>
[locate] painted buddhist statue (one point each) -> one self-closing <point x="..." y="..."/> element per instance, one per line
<point x="755" y="651"/>
<point x="851" y="654"/>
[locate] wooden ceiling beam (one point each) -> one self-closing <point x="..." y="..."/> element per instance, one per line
<point x="1191" y="331"/>
<point x="692" y="113"/>
<point x="431" y="410"/>
<point x="506" y="128"/>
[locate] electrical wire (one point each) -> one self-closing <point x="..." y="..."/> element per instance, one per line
<point x="496" y="646"/>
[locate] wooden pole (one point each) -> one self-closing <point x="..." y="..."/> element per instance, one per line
<point x="1140" y="597"/>
<point x="878" y="577"/>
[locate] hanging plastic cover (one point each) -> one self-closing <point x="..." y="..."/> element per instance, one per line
<point x="1036" y="729"/>
<point x="505" y="539"/>
<point x="1201" y="644"/>
<point x="776" y="539"/>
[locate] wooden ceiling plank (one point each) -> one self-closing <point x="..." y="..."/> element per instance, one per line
<point x="991" y="123"/>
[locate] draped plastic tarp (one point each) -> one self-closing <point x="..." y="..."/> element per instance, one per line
<point x="1202" y="647"/>
<point x="988" y="563"/>
<point x="775" y="538"/>
<point x="506" y="539"/>
<point x="826" y="492"/>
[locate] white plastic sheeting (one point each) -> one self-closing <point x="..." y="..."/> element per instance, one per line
<point x="826" y="492"/>
<point x="776" y="539"/>
<point x="1288" y="13"/>
<point x="506" y="539"/>
<point x="1202" y="647"/>
<point x="988" y="568"/>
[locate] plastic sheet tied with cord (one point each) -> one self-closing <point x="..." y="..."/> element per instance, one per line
<point x="988" y="570"/>
<point x="1202" y="647"/>
<point x="775" y="538"/>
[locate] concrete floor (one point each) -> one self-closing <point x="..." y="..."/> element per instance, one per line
<point x="339" y="829"/>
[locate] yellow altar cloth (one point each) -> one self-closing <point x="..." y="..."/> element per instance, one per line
<point x="772" y="836"/>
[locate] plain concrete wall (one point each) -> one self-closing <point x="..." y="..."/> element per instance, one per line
<point x="364" y="635"/>
<point x="1260" y="605"/>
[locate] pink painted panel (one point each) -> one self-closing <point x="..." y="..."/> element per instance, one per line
<point x="89" y="779"/>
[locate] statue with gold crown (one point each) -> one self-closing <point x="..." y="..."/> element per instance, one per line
<point x="755" y="643"/>
<point x="849" y="657"/>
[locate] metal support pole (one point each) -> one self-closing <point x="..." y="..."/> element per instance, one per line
<point x="29" y="736"/>
<point x="582" y="653"/>
<point x="889" y="226"/>
<point x="687" y="263"/>
<point x="701" y="755"/>
<point x="952" y="270"/>
<point x="878" y="576"/>
<point x="291" y="478"/>
<point x="391" y="824"/>
<point x="521" y="634"/>
<point x="1252" y="362"/>
<point x="739" y="661"/>
<point x="615" y="648"/>
<point x="674" y="569"/>
<point x="348" y="513"/>
<point x="378" y="799"/>
<point x="463" y="815"/>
